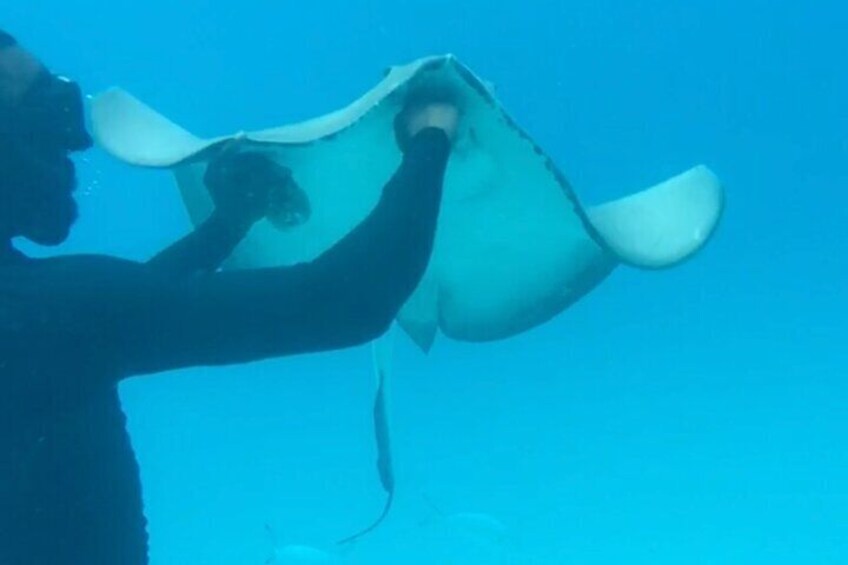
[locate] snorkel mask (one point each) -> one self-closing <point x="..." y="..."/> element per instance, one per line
<point x="52" y="113"/>
<point x="49" y="115"/>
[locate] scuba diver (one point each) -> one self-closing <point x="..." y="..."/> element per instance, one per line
<point x="72" y="327"/>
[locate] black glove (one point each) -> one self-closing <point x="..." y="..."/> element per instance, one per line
<point x="244" y="185"/>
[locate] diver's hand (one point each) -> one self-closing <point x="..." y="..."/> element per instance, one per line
<point x="440" y="115"/>
<point x="241" y="184"/>
<point x="418" y="117"/>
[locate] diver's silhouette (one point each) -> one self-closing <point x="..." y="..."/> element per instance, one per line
<point x="71" y="327"/>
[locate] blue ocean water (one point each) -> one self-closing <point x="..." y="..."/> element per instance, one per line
<point x="694" y="415"/>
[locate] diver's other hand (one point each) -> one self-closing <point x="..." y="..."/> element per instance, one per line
<point x="441" y="115"/>
<point x="241" y="185"/>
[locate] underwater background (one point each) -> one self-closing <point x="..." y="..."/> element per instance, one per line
<point x="695" y="415"/>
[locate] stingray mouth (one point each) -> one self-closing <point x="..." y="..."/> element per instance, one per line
<point x="288" y="205"/>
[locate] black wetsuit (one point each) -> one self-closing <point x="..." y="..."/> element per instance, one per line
<point x="72" y="327"/>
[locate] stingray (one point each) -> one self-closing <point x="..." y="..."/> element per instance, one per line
<point x="296" y="554"/>
<point x="514" y="247"/>
<point x="467" y="537"/>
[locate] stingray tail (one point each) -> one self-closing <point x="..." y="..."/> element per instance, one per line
<point x="382" y="365"/>
<point x="373" y="526"/>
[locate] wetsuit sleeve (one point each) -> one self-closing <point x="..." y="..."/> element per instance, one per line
<point x="201" y="251"/>
<point x="347" y="296"/>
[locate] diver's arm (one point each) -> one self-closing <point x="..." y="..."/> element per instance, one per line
<point x="347" y="296"/>
<point x="242" y="185"/>
<point x="201" y="251"/>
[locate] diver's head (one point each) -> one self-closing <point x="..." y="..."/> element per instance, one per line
<point x="41" y="125"/>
